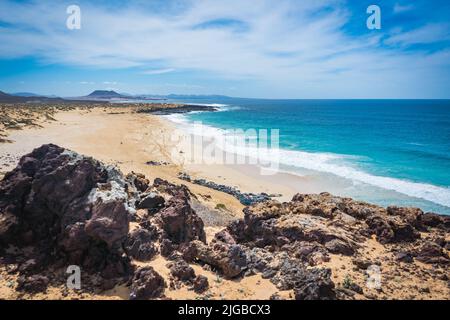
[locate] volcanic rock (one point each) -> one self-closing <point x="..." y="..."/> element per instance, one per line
<point x="181" y="270"/>
<point x="180" y="221"/>
<point x="147" y="284"/>
<point x="431" y="253"/>
<point x="151" y="201"/>
<point x="70" y="208"/>
<point x="230" y="260"/>
<point x="201" y="284"/>
<point x="315" y="285"/>
<point x="32" y="284"/>
<point x="139" y="245"/>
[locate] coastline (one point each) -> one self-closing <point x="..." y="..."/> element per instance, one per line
<point x="119" y="136"/>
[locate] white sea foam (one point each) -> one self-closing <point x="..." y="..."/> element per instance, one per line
<point x="339" y="165"/>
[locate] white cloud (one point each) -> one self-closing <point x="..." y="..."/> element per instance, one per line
<point x="158" y="71"/>
<point x="429" y="33"/>
<point x="399" y="8"/>
<point x="287" y="48"/>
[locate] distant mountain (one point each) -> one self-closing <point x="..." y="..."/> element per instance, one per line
<point x="7" y="98"/>
<point x="26" y="94"/>
<point x="105" y="94"/>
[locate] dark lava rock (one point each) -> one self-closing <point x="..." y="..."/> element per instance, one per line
<point x="71" y="209"/>
<point x="147" y="284"/>
<point x="432" y="253"/>
<point x="180" y="221"/>
<point x="32" y="284"/>
<point x="434" y="220"/>
<point x="391" y="230"/>
<point x="188" y="252"/>
<point x="139" y="181"/>
<point x="151" y="201"/>
<point x="315" y="285"/>
<point x="230" y="260"/>
<point x="411" y="215"/>
<point x="171" y="189"/>
<point x="225" y="237"/>
<point x="245" y="198"/>
<point x="339" y="247"/>
<point x="201" y="284"/>
<point x="362" y="263"/>
<point x="166" y="247"/>
<point x="181" y="270"/>
<point x="139" y="245"/>
<point x="403" y="256"/>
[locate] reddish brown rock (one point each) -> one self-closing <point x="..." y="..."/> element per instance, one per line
<point x="139" y="245"/>
<point x="147" y="284"/>
<point x="181" y="270"/>
<point x="230" y="260"/>
<point x="315" y="285"/>
<point x="201" y="284"/>
<point x="71" y="209"/>
<point x="432" y="253"/>
<point x="180" y="222"/>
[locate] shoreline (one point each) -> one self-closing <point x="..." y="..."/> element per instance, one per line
<point x="171" y="142"/>
<point x="353" y="182"/>
<point x="145" y="144"/>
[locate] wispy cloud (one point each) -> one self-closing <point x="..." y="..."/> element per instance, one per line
<point x="400" y="8"/>
<point x="430" y="33"/>
<point x="158" y="71"/>
<point x="287" y="47"/>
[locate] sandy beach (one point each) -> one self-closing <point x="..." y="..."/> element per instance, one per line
<point x="121" y="137"/>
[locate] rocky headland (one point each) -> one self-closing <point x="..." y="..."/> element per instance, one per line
<point x="59" y="208"/>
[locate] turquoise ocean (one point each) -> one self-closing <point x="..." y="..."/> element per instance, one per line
<point x="382" y="151"/>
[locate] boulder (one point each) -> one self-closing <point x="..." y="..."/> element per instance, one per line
<point x="151" y="202"/>
<point x="316" y="284"/>
<point x="230" y="260"/>
<point x="201" y="284"/>
<point x="338" y="246"/>
<point x="180" y="222"/>
<point x="391" y="229"/>
<point x="432" y="253"/>
<point x="180" y="270"/>
<point x="433" y="220"/>
<point x="139" y="245"/>
<point x="147" y="284"/>
<point x="32" y="284"/>
<point x="70" y="208"/>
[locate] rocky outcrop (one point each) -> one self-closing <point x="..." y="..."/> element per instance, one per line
<point x="67" y="209"/>
<point x="432" y="253"/>
<point x="180" y="222"/>
<point x="315" y="285"/>
<point x="201" y="284"/>
<point x="180" y="270"/>
<point x="230" y="260"/>
<point x="147" y="284"/>
<point x="140" y="245"/>
<point x="245" y="198"/>
<point x="151" y="201"/>
<point x="71" y="209"/>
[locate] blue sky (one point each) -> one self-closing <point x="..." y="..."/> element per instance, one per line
<point x="246" y="48"/>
